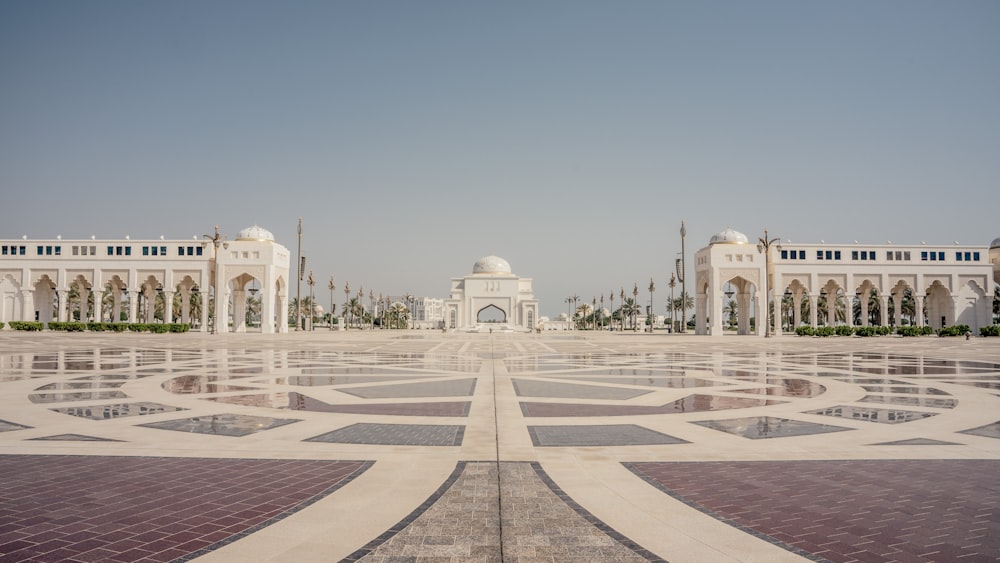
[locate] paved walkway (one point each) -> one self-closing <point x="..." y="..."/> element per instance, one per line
<point x="411" y="446"/>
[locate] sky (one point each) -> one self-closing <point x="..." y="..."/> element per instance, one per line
<point x="569" y="137"/>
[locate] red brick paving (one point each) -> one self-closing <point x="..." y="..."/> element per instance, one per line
<point x="912" y="510"/>
<point x="85" y="508"/>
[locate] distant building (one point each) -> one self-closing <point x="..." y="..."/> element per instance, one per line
<point x="58" y="280"/>
<point x="831" y="284"/>
<point x="491" y="297"/>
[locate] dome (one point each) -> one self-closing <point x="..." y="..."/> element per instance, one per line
<point x="491" y="265"/>
<point x="255" y="233"/>
<point x="729" y="236"/>
<point x="995" y="243"/>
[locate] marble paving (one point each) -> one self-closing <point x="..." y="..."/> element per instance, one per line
<point x="413" y="446"/>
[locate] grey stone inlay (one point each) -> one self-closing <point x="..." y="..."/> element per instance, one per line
<point x="8" y="426"/>
<point x="910" y="401"/>
<point x="395" y="435"/>
<point x="669" y="382"/>
<point x="599" y="435"/>
<point x="117" y="410"/>
<point x="909" y="390"/>
<point x="883" y="416"/>
<point x="452" y="388"/>
<point x="989" y="430"/>
<point x="761" y="427"/>
<point x="83" y="385"/>
<point x="222" y="424"/>
<point x="462" y="524"/>
<point x="549" y="389"/>
<point x="325" y="380"/>
<point x="74" y="438"/>
<point x="918" y="442"/>
<point x="76" y="396"/>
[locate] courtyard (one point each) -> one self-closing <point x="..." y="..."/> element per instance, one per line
<point x="421" y="446"/>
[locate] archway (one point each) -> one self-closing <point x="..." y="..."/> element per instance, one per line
<point x="491" y="314"/>
<point x="739" y="305"/>
<point x="11" y="300"/>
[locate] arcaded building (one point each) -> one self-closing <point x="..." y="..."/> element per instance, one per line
<point x="833" y="284"/>
<point x="491" y="297"/>
<point x="97" y="280"/>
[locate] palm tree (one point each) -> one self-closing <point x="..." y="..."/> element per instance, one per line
<point x="584" y="311"/>
<point x="730" y="309"/>
<point x="630" y="309"/>
<point x="308" y="306"/>
<point x="683" y="302"/>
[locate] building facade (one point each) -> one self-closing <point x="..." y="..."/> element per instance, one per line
<point x="491" y="297"/>
<point x="852" y="284"/>
<point x="141" y="280"/>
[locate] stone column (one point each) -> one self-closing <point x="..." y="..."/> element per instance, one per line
<point x="699" y="311"/>
<point x="27" y="305"/>
<point x="777" y="313"/>
<point x="814" y="310"/>
<point x="796" y="309"/>
<point x="185" y="305"/>
<point x="63" y="300"/>
<point x="149" y="298"/>
<point x="133" y="307"/>
<point x="84" y="307"/>
<point x="168" y="306"/>
<point x="239" y="310"/>
<point x="918" y="303"/>
<point x="831" y="308"/>
<point x="116" y="305"/>
<point x="884" y="309"/>
<point x="204" y="310"/>
<point x="863" y="300"/>
<point x="897" y="306"/>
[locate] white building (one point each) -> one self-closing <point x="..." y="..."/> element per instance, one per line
<point x="426" y="312"/>
<point x="948" y="284"/>
<point x="48" y="280"/>
<point x="491" y="297"/>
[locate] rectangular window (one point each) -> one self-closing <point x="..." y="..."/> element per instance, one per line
<point x="199" y="249"/>
<point x="118" y="251"/>
<point x="145" y="251"/>
<point x="111" y="251"/>
<point x="23" y="249"/>
<point x="968" y="256"/>
<point x="888" y="255"/>
<point x="128" y="251"/>
<point x="5" y="251"/>
<point x="802" y="255"/>
<point x="975" y="256"/>
<point x="819" y="254"/>
<point x="941" y="256"/>
<point x="854" y="255"/>
<point x="163" y="251"/>
<point x="154" y="251"/>
<point x="784" y="254"/>
<point x="180" y="251"/>
<point x="958" y="256"/>
<point x="58" y="251"/>
<point x="48" y="251"/>
<point x="836" y="255"/>
<point x="41" y="250"/>
<point x="76" y="251"/>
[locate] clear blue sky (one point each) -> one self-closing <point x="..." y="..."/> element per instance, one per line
<point x="568" y="137"/>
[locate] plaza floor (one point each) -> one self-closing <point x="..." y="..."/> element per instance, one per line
<point x="421" y="446"/>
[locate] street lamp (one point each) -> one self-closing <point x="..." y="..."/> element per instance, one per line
<point x="333" y="307"/>
<point x="413" y="317"/>
<point x="652" y="315"/>
<point x="635" y="301"/>
<point x="764" y="247"/>
<point x="611" y="296"/>
<point x="683" y="285"/>
<point x="575" y="298"/>
<point x="298" y="284"/>
<point x="602" y="308"/>
<point x="312" y="307"/>
<point x="347" y="298"/>
<point x="621" y="316"/>
<point x="593" y="313"/>
<point x="673" y="309"/>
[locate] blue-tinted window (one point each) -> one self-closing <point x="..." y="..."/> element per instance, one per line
<point x="975" y="256"/>
<point x="784" y="254"/>
<point x="58" y="251"/>
<point x="23" y="248"/>
<point x="819" y="254"/>
<point x="802" y="255"/>
<point x="41" y="250"/>
<point x="163" y="251"/>
<point x="145" y="251"/>
<point x="836" y="255"/>
<point x="941" y="256"/>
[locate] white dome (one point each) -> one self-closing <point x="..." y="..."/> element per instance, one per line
<point x="255" y="233"/>
<point x="491" y="265"/>
<point x="729" y="236"/>
<point x="995" y="243"/>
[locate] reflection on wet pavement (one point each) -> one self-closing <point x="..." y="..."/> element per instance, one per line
<point x="910" y="401"/>
<point x="758" y="427"/>
<point x="691" y="403"/>
<point x="190" y="384"/>
<point x="75" y="396"/>
<point x="222" y="424"/>
<point x="787" y="388"/>
<point x="884" y="416"/>
<point x="104" y="412"/>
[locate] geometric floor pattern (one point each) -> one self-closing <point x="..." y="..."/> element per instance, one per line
<point x="886" y="510"/>
<point x="90" y="508"/>
<point x="402" y="445"/>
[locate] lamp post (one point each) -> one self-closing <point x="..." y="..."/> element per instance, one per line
<point x="611" y="297"/>
<point x="216" y="242"/>
<point x="333" y="307"/>
<point x="413" y="317"/>
<point x="683" y="285"/>
<point x="593" y="312"/>
<point x="621" y="316"/>
<point x="575" y="298"/>
<point x="298" y="283"/>
<point x="652" y="315"/>
<point x="347" y="298"/>
<point x="764" y="247"/>
<point x="673" y="282"/>
<point x="371" y="299"/>
<point x="635" y="304"/>
<point x="312" y="301"/>
<point x="602" y="309"/>
<point x="253" y="298"/>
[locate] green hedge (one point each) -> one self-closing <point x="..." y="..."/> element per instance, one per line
<point x="826" y="331"/>
<point x="804" y="330"/>
<point x="101" y="327"/>
<point x="844" y="330"/>
<point x="1" y="326"/>
<point x="914" y="330"/>
<point x="992" y="330"/>
<point x="25" y="325"/>
<point x="67" y="327"/>
<point x="957" y="330"/>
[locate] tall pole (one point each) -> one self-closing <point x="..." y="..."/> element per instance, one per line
<point x="298" y="284"/>
<point x="673" y="282"/>
<point x="611" y="296"/>
<point x="652" y="314"/>
<point x="332" y="305"/>
<point x="312" y="300"/>
<point x="347" y="299"/>
<point x="683" y="277"/>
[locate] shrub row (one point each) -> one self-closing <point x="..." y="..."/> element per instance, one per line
<point x="865" y="331"/>
<point x="992" y="330"/>
<point x="914" y="330"/>
<point x="957" y="330"/>
<point x="102" y="327"/>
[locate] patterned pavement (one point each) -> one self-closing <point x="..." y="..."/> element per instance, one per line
<point x="554" y="447"/>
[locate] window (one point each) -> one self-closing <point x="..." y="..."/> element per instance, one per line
<point x="111" y="251"/>
<point x="975" y="256"/>
<point x="784" y="254"/>
<point x="5" y="251"/>
<point x="819" y="254"/>
<point x="802" y="255"/>
<point x="155" y="251"/>
<point x="854" y="255"/>
<point x="836" y="255"/>
<point x="48" y="251"/>
<point x="180" y="251"/>
<point x="76" y="250"/>
<point x="145" y="251"/>
<point x="968" y="256"/>
<point x="888" y="255"/>
<point x="923" y="255"/>
<point x="41" y="250"/>
<point x="941" y="256"/>
<point x="128" y="251"/>
<point x="23" y="249"/>
<point x="906" y="255"/>
<point x="199" y="249"/>
<point x="58" y="251"/>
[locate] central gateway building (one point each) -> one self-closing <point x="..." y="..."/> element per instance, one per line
<point x="491" y="297"/>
